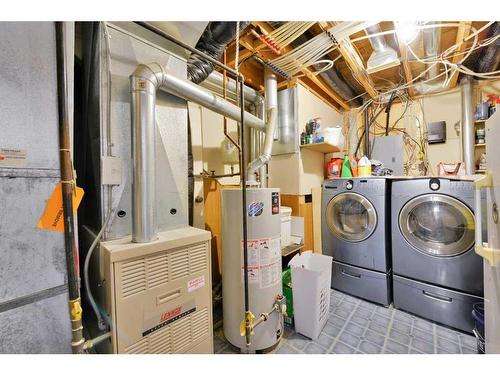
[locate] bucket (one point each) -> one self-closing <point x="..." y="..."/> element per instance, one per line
<point x="478" y="317"/>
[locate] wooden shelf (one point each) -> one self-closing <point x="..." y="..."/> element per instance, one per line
<point x="480" y="171"/>
<point x="290" y="249"/>
<point x="323" y="147"/>
<point x="480" y="144"/>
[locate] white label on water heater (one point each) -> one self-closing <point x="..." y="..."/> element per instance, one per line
<point x="264" y="261"/>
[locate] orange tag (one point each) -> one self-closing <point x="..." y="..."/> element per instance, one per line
<point x="52" y="217"/>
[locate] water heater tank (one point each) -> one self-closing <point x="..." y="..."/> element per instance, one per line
<point x="264" y="265"/>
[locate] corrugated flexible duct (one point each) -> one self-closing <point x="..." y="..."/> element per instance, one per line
<point x="213" y="41"/>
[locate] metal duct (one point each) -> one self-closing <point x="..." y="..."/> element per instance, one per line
<point x="432" y="42"/>
<point x="271" y="97"/>
<point x="214" y="83"/>
<point x="489" y="59"/>
<point x="383" y="56"/>
<point x="468" y="124"/>
<point x="144" y="83"/>
<point x="213" y="41"/>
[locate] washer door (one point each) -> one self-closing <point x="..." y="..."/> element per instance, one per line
<point x="437" y="225"/>
<point x="351" y="216"/>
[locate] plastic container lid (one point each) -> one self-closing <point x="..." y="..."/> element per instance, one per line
<point x="285" y="211"/>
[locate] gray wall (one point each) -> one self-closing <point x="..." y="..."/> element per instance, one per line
<point x="33" y="295"/>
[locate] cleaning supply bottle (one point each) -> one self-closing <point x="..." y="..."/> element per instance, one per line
<point x="364" y="167"/>
<point x="333" y="168"/>
<point x="346" y="167"/>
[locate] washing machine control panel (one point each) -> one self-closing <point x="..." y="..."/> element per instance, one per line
<point x="434" y="184"/>
<point x="349" y="184"/>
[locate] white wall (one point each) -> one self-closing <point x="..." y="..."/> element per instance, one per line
<point x="298" y="173"/>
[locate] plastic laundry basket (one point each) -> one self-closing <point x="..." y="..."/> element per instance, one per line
<point x="311" y="278"/>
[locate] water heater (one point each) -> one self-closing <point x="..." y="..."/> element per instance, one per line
<point x="264" y="265"/>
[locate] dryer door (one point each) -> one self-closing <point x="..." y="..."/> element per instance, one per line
<point x="437" y="225"/>
<point x="351" y="216"/>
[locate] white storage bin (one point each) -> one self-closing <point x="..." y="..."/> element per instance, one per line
<point x="334" y="136"/>
<point x="286" y="225"/>
<point x="311" y="279"/>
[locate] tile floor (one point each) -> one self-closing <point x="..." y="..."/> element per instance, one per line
<point x="361" y="327"/>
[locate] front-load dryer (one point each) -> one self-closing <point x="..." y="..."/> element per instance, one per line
<point x="437" y="274"/>
<point x="355" y="232"/>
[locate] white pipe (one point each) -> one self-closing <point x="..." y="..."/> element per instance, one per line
<point x="144" y="83"/>
<point x="467" y="132"/>
<point x="271" y="98"/>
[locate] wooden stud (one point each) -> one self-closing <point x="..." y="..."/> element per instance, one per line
<point x="403" y="52"/>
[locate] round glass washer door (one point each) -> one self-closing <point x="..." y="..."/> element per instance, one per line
<point x="437" y="225"/>
<point x="351" y="217"/>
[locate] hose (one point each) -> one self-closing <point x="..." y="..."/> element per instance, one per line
<point x="100" y="321"/>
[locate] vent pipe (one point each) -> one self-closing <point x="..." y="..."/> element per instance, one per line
<point x="467" y="87"/>
<point x="383" y="56"/>
<point x="144" y="83"/>
<point x="271" y="98"/>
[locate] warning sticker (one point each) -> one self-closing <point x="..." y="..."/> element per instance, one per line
<point x="196" y="283"/>
<point x="264" y="261"/>
<point x="12" y="157"/>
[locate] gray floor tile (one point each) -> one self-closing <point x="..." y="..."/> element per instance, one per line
<point x="378" y="328"/>
<point x="403" y="317"/>
<point x="336" y="320"/>
<point x="400" y="337"/>
<point x="467" y="350"/>
<point x="343" y="313"/>
<point x="422" y="346"/>
<point x="413" y="351"/>
<point x="354" y="329"/>
<point x="422" y="324"/>
<point x="422" y="335"/>
<point x="396" y="347"/>
<point x="287" y="349"/>
<point x="382" y="320"/>
<point x="401" y="327"/>
<point x="384" y="311"/>
<point x="325" y="340"/>
<point x="341" y="348"/>
<point x="466" y="340"/>
<point x="447" y="333"/>
<point x="351" y="299"/>
<point x="359" y="320"/>
<point x="374" y="337"/>
<point x="369" y="347"/>
<point x="219" y="344"/>
<point x="298" y="341"/>
<point x="363" y="312"/>
<point x="448" y="346"/>
<point x="314" y="348"/>
<point x="348" y="306"/>
<point x="331" y="330"/>
<point x="349" y="339"/>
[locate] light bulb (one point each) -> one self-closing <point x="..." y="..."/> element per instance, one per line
<point x="407" y="31"/>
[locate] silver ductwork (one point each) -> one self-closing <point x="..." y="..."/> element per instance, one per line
<point x="467" y="90"/>
<point x="383" y="56"/>
<point x="214" y="83"/>
<point x="432" y="43"/>
<point x="271" y="98"/>
<point x="144" y="83"/>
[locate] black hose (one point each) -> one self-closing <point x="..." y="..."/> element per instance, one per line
<point x="213" y="42"/>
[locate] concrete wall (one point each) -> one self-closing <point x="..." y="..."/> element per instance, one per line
<point x="34" y="314"/>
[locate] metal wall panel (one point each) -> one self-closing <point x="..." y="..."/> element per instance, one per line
<point x="127" y="51"/>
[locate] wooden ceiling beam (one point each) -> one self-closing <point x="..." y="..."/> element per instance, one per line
<point x="309" y="73"/>
<point x="462" y="33"/>
<point x="354" y="61"/>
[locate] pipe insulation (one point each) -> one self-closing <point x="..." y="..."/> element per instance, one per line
<point x="489" y="59"/>
<point x="271" y="98"/>
<point x="144" y="83"/>
<point x="213" y="42"/>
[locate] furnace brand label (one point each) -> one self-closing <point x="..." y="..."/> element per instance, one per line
<point x="155" y="321"/>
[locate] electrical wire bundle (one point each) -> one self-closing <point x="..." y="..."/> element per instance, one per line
<point x="284" y="35"/>
<point x="306" y="55"/>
